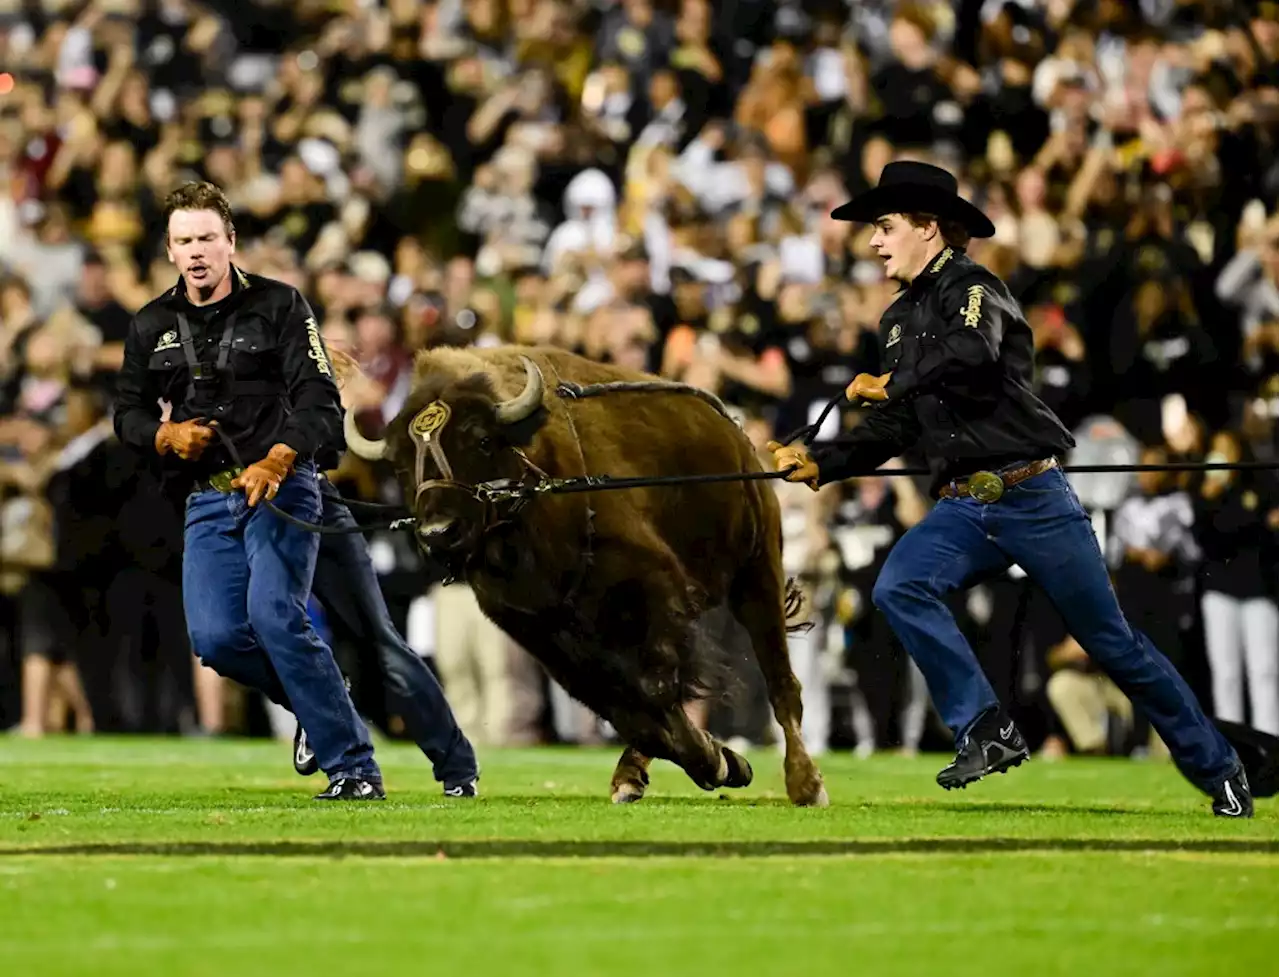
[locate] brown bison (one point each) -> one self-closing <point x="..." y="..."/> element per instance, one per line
<point x="604" y="588"/>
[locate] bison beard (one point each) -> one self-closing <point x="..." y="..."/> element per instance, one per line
<point x="605" y="589"/>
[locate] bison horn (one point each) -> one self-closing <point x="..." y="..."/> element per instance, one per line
<point x="527" y="401"/>
<point x="361" y="446"/>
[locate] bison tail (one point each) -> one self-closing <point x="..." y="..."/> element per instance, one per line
<point x="793" y="606"/>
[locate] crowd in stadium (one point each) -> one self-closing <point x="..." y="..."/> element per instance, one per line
<point x="649" y="182"/>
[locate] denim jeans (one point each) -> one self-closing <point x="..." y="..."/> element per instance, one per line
<point x="347" y="586"/>
<point x="246" y="577"/>
<point x="1040" y="525"/>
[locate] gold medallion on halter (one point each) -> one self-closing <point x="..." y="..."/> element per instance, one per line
<point x="430" y="419"/>
<point x="986" y="487"/>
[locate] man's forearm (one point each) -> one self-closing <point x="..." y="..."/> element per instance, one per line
<point x="883" y="433"/>
<point x="845" y="458"/>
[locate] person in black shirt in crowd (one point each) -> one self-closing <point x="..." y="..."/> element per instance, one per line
<point x="245" y="352"/>
<point x="1062" y="379"/>
<point x="1151" y="549"/>
<point x="869" y="517"/>
<point x="1235" y="525"/>
<point x="959" y="354"/>
<point x="1150" y="545"/>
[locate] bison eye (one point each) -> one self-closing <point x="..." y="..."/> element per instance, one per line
<point x="485" y="445"/>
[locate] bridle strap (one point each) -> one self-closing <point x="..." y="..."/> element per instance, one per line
<point x="429" y="444"/>
<point x="425" y="429"/>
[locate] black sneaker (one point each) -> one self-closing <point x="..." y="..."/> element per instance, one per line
<point x="1233" y="799"/>
<point x="304" y="758"/>
<point x="468" y="788"/>
<point x="352" y="789"/>
<point x="994" y="745"/>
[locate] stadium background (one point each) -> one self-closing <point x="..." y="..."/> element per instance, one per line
<point x="648" y="183"/>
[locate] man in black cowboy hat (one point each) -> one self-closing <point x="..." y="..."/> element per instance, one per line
<point x="959" y="354"/>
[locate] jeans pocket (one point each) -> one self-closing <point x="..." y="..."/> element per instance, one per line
<point x="1048" y="495"/>
<point x="1052" y="482"/>
<point x="300" y="495"/>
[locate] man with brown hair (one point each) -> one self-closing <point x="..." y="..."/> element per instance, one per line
<point x="959" y="385"/>
<point x="244" y="353"/>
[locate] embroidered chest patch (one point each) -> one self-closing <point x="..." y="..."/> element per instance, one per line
<point x="168" y="341"/>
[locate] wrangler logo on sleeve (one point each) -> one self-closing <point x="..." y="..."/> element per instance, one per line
<point x="317" y="352"/>
<point x="972" y="311"/>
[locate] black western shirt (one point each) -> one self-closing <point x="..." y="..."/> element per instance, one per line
<point x="962" y="363"/>
<point x="277" y="386"/>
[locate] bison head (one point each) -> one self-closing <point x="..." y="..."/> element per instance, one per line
<point x="453" y="434"/>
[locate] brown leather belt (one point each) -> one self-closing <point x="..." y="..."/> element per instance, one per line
<point x="988" y="487"/>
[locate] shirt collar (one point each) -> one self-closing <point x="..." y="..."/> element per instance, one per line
<point x="942" y="260"/>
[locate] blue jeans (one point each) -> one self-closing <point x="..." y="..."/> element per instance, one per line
<point x="347" y="586"/>
<point x="246" y="576"/>
<point x="1040" y="525"/>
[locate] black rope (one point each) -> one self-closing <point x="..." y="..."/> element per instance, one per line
<point x="604" y="483"/>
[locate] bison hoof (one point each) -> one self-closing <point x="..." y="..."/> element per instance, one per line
<point x="817" y="798"/>
<point x="739" y="773"/>
<point x="627" y="793"/>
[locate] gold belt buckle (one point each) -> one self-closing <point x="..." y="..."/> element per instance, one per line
<point x="986" y="487"/>
<point x="222" y="480"/>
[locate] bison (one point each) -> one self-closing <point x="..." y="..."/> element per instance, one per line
<point x="604" y="588"/>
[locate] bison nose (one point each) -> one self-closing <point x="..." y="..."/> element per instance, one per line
<point x="438" y="532"/>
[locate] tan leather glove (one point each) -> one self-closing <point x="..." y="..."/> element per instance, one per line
<point x="187" y="439"/>
<point x="867" y="387"/>
<point x="263" y="479"/>
<point x="795" y="459"/>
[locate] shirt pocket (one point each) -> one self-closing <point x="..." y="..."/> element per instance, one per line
<point x="895" y="344"/>
<point x="254" y="349"/>
<point x="165" y="360"/>
<point x="163" y="369"/>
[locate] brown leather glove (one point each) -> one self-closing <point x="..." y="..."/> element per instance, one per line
<point x="796" y="460"/>
<point x="263" y="478"/>
<point x="187" y="439"/>
<point x="868" y="387"/>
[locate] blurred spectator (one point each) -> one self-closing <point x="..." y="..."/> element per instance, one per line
<point x="1096" y="715"/>
<point x="867" y="516"/>
<point x="805" y="546"/>
<point x="1152" y="550"/>
<point x="1236" y="522"/>
<point x="472" y="656"/>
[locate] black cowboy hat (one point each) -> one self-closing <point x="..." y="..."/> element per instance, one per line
<point x="908" y="187"/>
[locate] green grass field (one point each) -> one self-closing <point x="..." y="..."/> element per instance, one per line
<point x="190" y="858"/>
